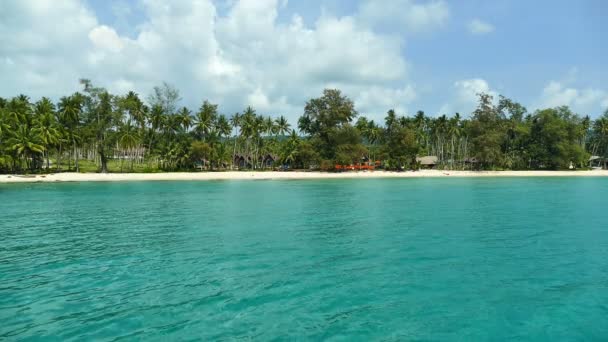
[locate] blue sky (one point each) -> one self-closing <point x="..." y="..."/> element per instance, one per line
<point x="274" y="54"/>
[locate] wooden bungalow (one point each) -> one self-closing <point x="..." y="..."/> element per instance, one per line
<point x="242" y="162"/>
<point x="269" y="160"/>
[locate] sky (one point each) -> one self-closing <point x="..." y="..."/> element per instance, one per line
<point x="408" y="55"/>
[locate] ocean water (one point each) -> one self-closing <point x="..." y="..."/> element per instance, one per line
<point x="522" y="259"/>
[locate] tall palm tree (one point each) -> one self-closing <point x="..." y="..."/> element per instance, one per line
<point x="205" y="119"/>
<point x="71" y="109"/>
<point x="373" y="135"/>
<point x="289" y="152"/>
<point x="235" y="121"/>
<point x="128" y="139"/>
<point x="185" y="118"/>
<point x="268" y="126"/>
<point x="136" y="108"/>
<point x="4" y="124"/>
<point x="305" y="124"/>
<point x="25" y="144"/>
<point x="282" y="126"/>
<point x="19" y="110"/>
<point x="390" y="120"/>
<point x="249" y="129"/>
<point x="46" y="126"/>
<point x="601" y="132"/>
<point x="223" y="126"/>
<point x="156" y="123"/>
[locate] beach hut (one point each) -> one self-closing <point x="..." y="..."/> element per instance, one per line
<point x="428" y="162"/>
<point x="268" y="160"/>
<point x="597" y="162"/>
<point x="241" y="162"/>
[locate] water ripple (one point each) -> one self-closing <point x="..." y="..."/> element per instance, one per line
<point x="345" y="259"/>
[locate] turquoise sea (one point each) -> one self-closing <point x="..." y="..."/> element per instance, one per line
<point x="469" y="259"/>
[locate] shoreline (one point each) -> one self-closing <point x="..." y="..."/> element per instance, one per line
<point x="282" y="175"/>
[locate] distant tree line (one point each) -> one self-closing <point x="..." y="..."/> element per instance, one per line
<point x="126" y="133"/>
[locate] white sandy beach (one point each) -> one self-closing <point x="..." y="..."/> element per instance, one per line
<point x="267" y="175"/>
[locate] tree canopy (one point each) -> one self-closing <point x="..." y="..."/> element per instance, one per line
<point x="106" y="132"/>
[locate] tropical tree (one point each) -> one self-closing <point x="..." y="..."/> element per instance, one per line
<point x="205" y="119"/>
<point x="128" y="140"/>
<point x="45" y="126"/>
<point x="184" y="116"/>
<point x="71" y="110"/>
<point x="235" y="121"/>
<point x="282" y="126"/>
<point x="324" y="116"/>
<point x="25" y="144"/>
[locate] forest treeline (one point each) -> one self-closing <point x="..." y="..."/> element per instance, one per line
<point x="126" y="133"/>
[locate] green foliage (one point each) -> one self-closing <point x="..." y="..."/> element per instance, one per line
<point x="554" y="139"/>
<point x="401" y="148"/>
<point x="324" y="117"/>
<point x="95" y="131"/>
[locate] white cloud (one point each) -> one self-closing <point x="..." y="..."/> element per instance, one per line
<point x="585" y="101"/>
<point x="374" y="98"/>
<point x="46" y="58"/>
<point x="580" y="100"/>
<point x="464" y="97"/>
<point x="405" y="14"/>
<point x="245" y="56"/>
<point x="477" y="26"/>
<point x="106" y="38"/>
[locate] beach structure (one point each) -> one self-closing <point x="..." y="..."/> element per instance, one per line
<point x="268" y="160"/>
<point x="597" y="162"/>
<point x="246" y="162"/>
<point x="427" y="162"/>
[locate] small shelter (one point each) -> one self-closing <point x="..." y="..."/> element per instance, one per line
<point x="428" y="162"/>
<point x="242" y="162"/>
<point x="268" y="160"/>
<point x="597" y="162"/>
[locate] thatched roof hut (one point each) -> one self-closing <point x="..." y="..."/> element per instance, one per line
<point x="429" y="161"/>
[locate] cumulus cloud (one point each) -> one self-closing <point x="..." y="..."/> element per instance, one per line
<point x="479" y="27"/>
<point x="463" y="96"/>
<point x="243" y="56"/>
<point x="379" y="98"/>
<point x="41" y="55"/>
<point x="105" y="38"/>
<point x="581" y="100"/>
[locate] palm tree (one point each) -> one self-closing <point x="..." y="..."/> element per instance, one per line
<point x="25" y="144"/>
<point x="205" y="119"/>
<point x="4" y="125"/>
<point x="282" y="126"/>
<point x="156" y="123"/>
<point x="305" y="124"/>
<point x="185" y="118"/>
<point x="235" y="121"/>
<point x="19" y="110"/>
<point x="46" y="126"/>
<point x="454" y="132"/>
<point x="71" y="109"/>
<point x="601" y="132"/>
<point x="269" y="127"/>
<point x="390" y="120"/>
<point x="136" y="108"/>
<point x="373" y="135"/>
<point x="223" y="126"/>
<point x="289" y="153"/>
<point x="128" y="140"/>
<point x="249" y="129"/>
